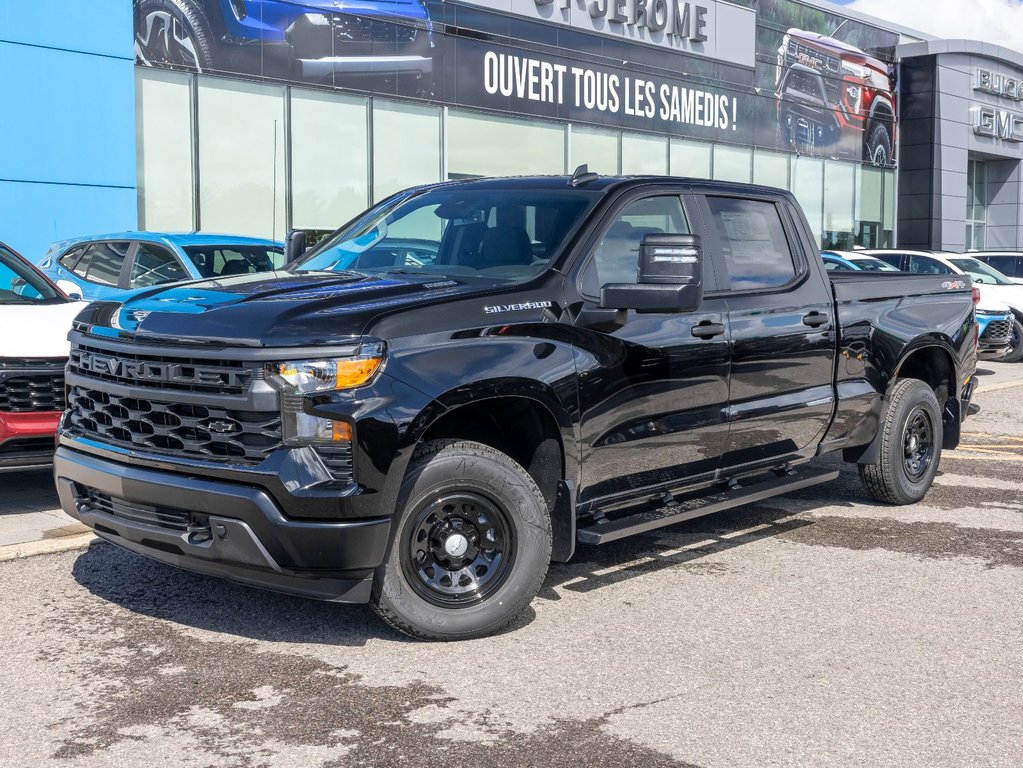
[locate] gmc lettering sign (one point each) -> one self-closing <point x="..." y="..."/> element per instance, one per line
<point x="997" y="123"/>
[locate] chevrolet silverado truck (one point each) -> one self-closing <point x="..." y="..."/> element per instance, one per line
<point x="579" y="360"/>
<point x="834" y="97"/>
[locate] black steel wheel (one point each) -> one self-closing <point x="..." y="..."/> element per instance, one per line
<point x="174" y="33"/>
<point x="460" y="550"/>
<point x="918" y="443"/>
<point x="909" y="445"/>
<point x="472" y="544"/>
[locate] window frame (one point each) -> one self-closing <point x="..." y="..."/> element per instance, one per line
<point x="800" y="265"/>
<point x="942" y="265"/>
<point x="138" y="245"/>
<point x="122" y="277"/>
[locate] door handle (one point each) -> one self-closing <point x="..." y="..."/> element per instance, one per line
<point x="707" y="330"/>
<point x="816" y="319"/>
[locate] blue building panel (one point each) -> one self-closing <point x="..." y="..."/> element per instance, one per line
<point x="101" y="27"/>
<point x="34" y="215"/>
<point x="67" y="91"/>
<point x="71" y="117"/>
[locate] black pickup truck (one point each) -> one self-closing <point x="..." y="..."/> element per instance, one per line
<point x="458" y="386"/>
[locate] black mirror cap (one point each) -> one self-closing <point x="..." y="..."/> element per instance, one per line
<point x="294" y="246"/>
<point x="670" y="259"/>
<point x="652" y="297"/>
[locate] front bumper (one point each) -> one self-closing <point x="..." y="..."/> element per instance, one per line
<point x="26" y="439"/>
<point x="220" y="528"/>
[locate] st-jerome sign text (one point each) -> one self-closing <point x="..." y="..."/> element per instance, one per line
<point x="676" y="18"/>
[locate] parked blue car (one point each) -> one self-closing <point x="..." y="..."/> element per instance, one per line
<point x="112" y="266"/>
<point x="307" y="39"/>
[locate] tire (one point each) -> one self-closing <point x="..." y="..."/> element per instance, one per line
<point x="878" y="149"/>
<point x="441" y="581"/>
<point x="902" y="475"/>
<point x="173" y="33"/>
<point x="1016" y="345"/>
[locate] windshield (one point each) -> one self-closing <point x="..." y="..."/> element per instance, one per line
<point x="503" y="235"/>
<point x="981" y="272"/>
<point x="873" y="265"/>
<point x="226" y="260"/>
<point x="20" y="284"/>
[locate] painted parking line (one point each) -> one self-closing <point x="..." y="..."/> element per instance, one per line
<point x="996" y="387"/>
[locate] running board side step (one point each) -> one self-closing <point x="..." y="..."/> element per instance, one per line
<point x="677" y="512"/>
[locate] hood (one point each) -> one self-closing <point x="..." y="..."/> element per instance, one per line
<point x="270" y="309"/>
<point x="37" y="330"/>
<point x="1003" y="294"/>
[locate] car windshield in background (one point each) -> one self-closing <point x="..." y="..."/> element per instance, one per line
<point x="19" y="284"/>
<point x="500" y="234"/>
<point x="227" y="260"/>
<point x="981" y="272"/>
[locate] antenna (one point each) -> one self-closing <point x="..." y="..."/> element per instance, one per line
<point x="582" y="176"/>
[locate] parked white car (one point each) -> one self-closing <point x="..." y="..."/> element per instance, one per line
<point x="35" y="317"/>
<point x="993" y="285"/>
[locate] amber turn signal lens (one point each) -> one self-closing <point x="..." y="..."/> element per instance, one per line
<point x="341" y="432"/>
<point x="355" y="372"/>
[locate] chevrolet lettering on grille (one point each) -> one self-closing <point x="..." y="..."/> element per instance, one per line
<point x="147" y="371"/>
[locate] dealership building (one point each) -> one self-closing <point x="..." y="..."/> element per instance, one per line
<point x="255" y="118"/>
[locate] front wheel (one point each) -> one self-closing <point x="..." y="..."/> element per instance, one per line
<point x="472" y="547"/>
<point x="878" y="148"/>
<point x="1015" y="353"/>
<point x="173" y="33"/>
<point x="911" y="437"/>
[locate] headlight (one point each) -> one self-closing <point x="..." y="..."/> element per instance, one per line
<point x="298" y="378"/>
<point x="307" y="376"/>
<point x="853" y="92"/>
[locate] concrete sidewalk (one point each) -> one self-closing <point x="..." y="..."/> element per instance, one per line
<point x="31" y="520"/>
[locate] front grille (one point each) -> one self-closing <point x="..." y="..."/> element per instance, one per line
<point x="133" y="512"/>
<point x="196" y="431"/>
<point x="34" y="392"/>
<point x="364" y="36"/>
<point x="814" y="58"/>
<point x="338" y="461"/>
<point x="997" y="331"/>
<point x="163" y="371"/>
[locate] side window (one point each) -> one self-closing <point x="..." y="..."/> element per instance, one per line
<point x="895" y="259"/>
<point x="70" y="258"/>
<point x="1004" y="264"/>
<point x="155" y="265"/>
<point x="616" y="257"/>
<point x="102" y="262"/>
<point x="925" y="266"/>
<point x="753" y="242"/>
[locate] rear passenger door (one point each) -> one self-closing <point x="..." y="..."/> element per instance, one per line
<point x="780" y="314"/>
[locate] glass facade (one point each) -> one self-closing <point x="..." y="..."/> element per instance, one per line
<point x="257" y="159"/>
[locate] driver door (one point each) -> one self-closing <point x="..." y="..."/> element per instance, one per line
<point x="653" y="392"/>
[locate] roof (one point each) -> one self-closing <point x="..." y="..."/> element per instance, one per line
<point x="178" y="238"/>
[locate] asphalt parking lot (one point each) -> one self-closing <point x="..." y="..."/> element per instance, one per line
<point x="817" y="629"/>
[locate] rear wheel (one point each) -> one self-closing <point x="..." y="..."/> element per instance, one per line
<point x="472" y="547"/>
<point x="1015" y="353"/>
<point x="911" y="437"/>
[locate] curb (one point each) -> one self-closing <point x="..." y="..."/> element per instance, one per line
<point x="46" y="546"/>
<point x="1003" y="385"/>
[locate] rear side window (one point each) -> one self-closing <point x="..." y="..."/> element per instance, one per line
<point x="70" y="259"/>
<point x="753" y="243"/>
<point x="1004" y="264"/>
<point x="155" y="265"/>
<point x="102" y="262"/>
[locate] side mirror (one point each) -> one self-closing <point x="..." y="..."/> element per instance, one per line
<point x="670" y="277"/>
<point x="71" y="290"/>
<point x="294" y="246"/>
